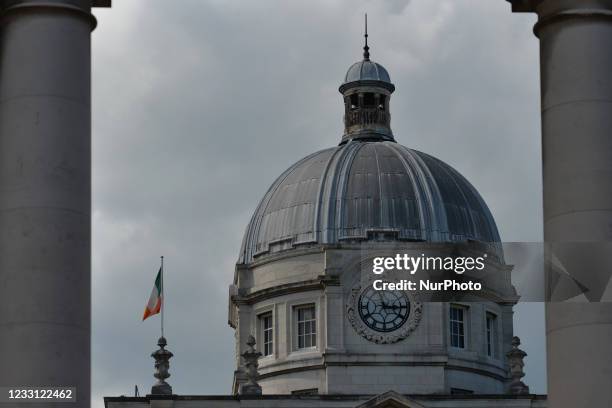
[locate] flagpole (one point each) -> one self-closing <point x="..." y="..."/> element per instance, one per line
<point x="162" y="296"/>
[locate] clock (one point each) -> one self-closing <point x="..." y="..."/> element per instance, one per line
<point x="383" y="311"/>
<point x="383" y="316"/>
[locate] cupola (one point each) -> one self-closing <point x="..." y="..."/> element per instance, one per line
<point x="367" y="89"/>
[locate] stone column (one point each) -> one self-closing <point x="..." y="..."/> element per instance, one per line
<point x="242" y="335"/>
<point x="251" y="365"/>
<point x="45" y="193"/>
<point x="576" y="85"/>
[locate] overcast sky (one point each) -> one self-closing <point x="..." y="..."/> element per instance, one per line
<point x="200" y="104"/>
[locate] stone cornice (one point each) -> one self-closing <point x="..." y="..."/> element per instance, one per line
<point x="322" y="397"/>
<point x="524" y="6"/>
<point x="292" y="368"/>
<point x="80" y="8"/>
<point x="295" y="287"/>
<point x="553" y="11"/>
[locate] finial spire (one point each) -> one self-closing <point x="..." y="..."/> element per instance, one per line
<point x="366" y="49"/>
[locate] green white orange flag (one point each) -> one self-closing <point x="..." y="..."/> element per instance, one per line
<point x="154" y="304"/>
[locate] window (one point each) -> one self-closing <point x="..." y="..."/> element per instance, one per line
<point x="267" y="334"/>
<point x="491" y="334"/>
<point x="354" y="101"/>
<point x="457" y="326"/>
<point x="306" y="326"/>
<point x="381" y="104"/>
<point x="369" y="100"/>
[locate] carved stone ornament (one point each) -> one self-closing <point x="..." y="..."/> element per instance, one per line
<point x="251" y="364"/>
<point x="515" y="360"/>
<point x="162" y="364"/>
<point x="398" y="331"/>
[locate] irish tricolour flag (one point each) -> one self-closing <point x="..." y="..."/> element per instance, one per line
<point x="155" y="300"/>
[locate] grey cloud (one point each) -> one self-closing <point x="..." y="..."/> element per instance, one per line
<point x="198" y="107"/>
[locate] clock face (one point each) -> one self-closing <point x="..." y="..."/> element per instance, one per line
<point x="383" y="310"/>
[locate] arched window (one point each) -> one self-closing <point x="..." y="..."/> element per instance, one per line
<point x="369" y="101"/>
<point x="381" y="102"/>
<point x="354" y="102"/>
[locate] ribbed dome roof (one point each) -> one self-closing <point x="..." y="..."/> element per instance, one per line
<point x="366" y="70"/>
<point x="346" y="192"/>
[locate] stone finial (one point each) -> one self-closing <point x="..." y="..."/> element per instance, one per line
<point x="251" y="364"/>
<point x="162" y="364"/>
<point x="515" y="359"/>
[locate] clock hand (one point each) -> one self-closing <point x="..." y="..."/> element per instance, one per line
<point x="382" y="301"/>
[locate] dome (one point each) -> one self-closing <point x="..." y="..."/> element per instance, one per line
<point x="366" y="70"/>
<point x="348" y="192"/>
